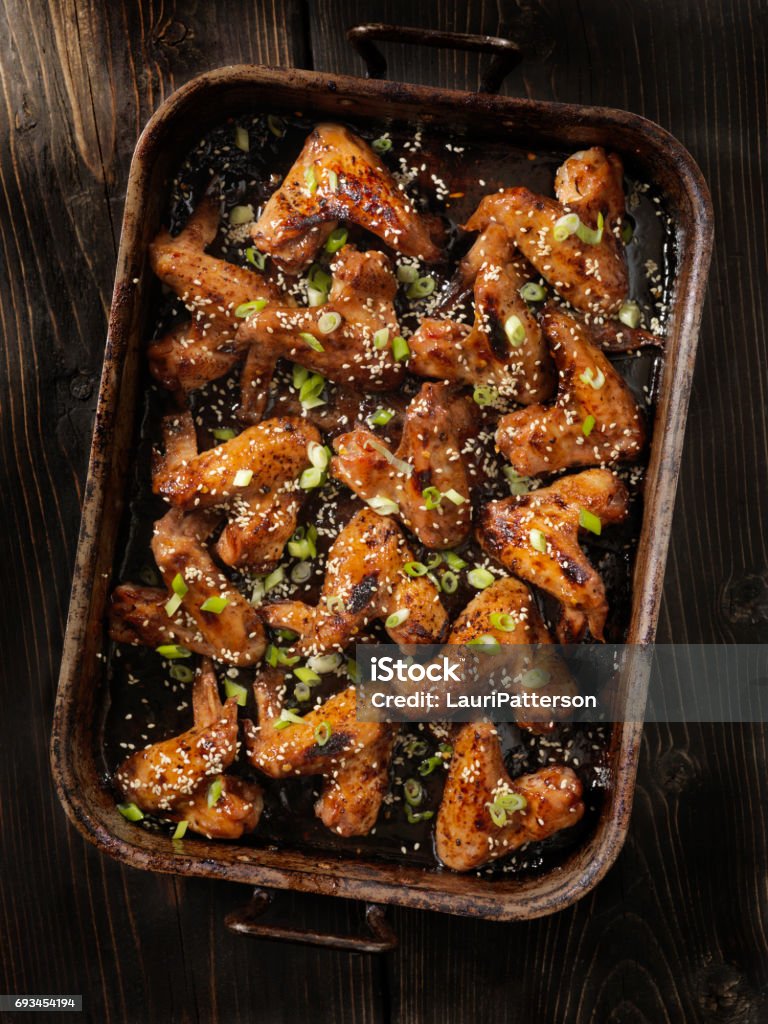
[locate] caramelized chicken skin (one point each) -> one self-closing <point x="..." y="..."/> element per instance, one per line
<point x="466" y="835"/>
<point x="588" y="424"/>
<point x="431" y="454"/>
<point x="137" y="615"/>
<point x="364" y="581"/>
<point x="353" y="760"/>
<point x="514" y="530"/>
<point x="337" y="177"/>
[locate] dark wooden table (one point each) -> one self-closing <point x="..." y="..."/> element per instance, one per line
<point x="678" y="932"/>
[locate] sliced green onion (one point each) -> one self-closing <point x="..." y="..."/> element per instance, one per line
<point x="311" y="478"/>
<point x="301" y="572"/>
<point x="629" y="314"/>
<point x="214" y="605"/>
<point x="381" y="417"/>
<point x="223" y="433"/>
<point x="432" y="497"/>
<point x="416" y="816"/>
<point x="324" y="663"/>
<point x="627" y="231"/>
<point x="311" y="340"/>
<point x="243" y="477"/>
<point x="454" y="561"/>
<point x="421" y="287"/>
<point x="381" y="337"/>
<point x="498" y="815"/>
<point x="258" y="259"/>
<point x="286" y="634"/>
<point x="480" y="578"/>
<point x="517" y="484"/>
<point x="311" y="387"/>
<point x="588" y="426"/>
<point x="299" y="374"/>
<point x="414" y="747"/>
<point x="311" y="539"/>
<point x="276" y="125"/>
<point x="181" y="673"/>
<point x="298" y="548"/>
<point x="215" y="792"/>
<point x="484" y="395"/>
<point x="487" y="643"/>
<point x="172" y="651"/>
<point x="591" y="236"/>
<point x="302" y="692"/>
<point x="382" y="145"/>
<point x="404" y="468"/>
<point x="589" y="521"/>
<point x="511" y="802"/>
<point x="130" y="812"/>
<point x="233" y="689"/>
<point x="328" y="322"/>
<point x="534" y="678"/>
<point x="179" y="585"/>
<point x="306" y="675"/>
<point x="413" y="791"/>
<point x="503" y="621"/>
<point x="514" y="330"/>
<point x="533" y="292"/>
<point x="247" y="308"/>
<point x="310" y="179"/>
<point x="397" y="618"/>
<point x="319" y="278"/>
<point x="449" y="582"/>
<point x="172" y="605"/>
<point x="565" y="226"/>
<point x="400" y="350"/>
<point x="318" y="454"/>
<point x="181" y="830"/>
<point x="335" y="604"/>
<point x="446" y="749"/>
<point x="240" y="215"/>
<point x="292" y="717"/>
<point x="428" y="766"/>
<point x="275" y="656"/>
<point x="241" y="139"/>
<point x="407" y="273"/>
<point x="333" y="180"/>
<point x="274" y="578"/>
<point x="454" y="497"/>
<point x="323" y="733"/>
<point x="538" y="540"/>
<point x="352" y="670"/>
<point x="384" y="506"/>
<point x="316" y="296"/>
<point x="336" y="240"/>
<point x="595" y="381"/>
<point x="415" y="569"/>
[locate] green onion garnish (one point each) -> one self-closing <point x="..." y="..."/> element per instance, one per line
<point x="514" y="330"/>
<point x="591" y="236"/>
<point x="415" y="569"/>
<point x="487" y="643"/>
<point x="316" y="297"/>
<point x="328" y="322"/>
<point x="298" y="375"/>
<point x="319" y="278"/>
<point x="274" y="578"/>
<point x="381" y="337"/>
<point x="336" y="240"/>
<point x="565" y="226"/>
<point x="256" y="258"/>
<point x="511" y="802"/>
<point x="397" y="618"/>
<point x="323" y="663"/>
<point x="247" y="308"/>
<point x="400" y="350"/>
<point x="310" y="179"/>
<point x="241" y="139"/>
<point x="318" y="454"/>
<point x="292" y="717"/>
<point x="223" y="433"/>
<point x="335" y="604"/>
<point x="215" y="792"/>
<point x="627" y="231"/>
<point x="484" y="395"/>
<point x="299" y="548"/>
<point x="501" y="620"/>
<point x="432" y="497"/>
<point x="243" y="477"/>
<point x="498" y="815"/>
<point x="323" y="733"/>
<point x="480" y="578"/>
<point x="538" y="540"/>
<point x="595" y="381"/>
<point x="311" y="387"/>
<point x="352" y="670"/>
<point x="301" y="572"/>
<point x="214" y="605"/>
<point x="311" y="478"/>
<point x="428" y="766"/>
<point x="413" y="791"/>
<point x="333" y="180"/>
<point x="178" y="585"/>
<point x="131" y="812"/>
<point x="382" y="144"/>
<point x="311" y="340"/>
<point x="172" y="651"/>
<point x="275" y="656"/>
<point x="517" y="484"/>
<point x="589" y="521"/>
<point x="276" y="125"/>
<point x="384" y="506"/>
<point x="454" y="497"/>
<point x="534" y="678"/>
<point x="172" y="605"/>
<point x="240" y="215"/>
<point x="533" y="292"/>
<point x="306" y="675"/>
<point x="302" y="692"/>
<point x="381" y="417"/>
<point x="407" y="273"/>
<point x="181" y="673"/>
<point x="421" y="287"/>
<point x="449" y="582"/>
<point x="233" y="689"/>
<point x="181" y="830"/>
<point x="454" y="561"/>
<point x="416" y="816"/>
<point x="629" y="314"/>
<point x="434" y="560"/>
<point x="588" y="426"/>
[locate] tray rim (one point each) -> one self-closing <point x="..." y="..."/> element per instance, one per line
<point x="349" y="877"/>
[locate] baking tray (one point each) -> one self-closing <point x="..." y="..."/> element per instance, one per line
<point x="176" y="126"/>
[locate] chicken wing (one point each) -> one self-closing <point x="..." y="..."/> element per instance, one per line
<point x="361" y="297"/>
<point x="235" y="630"/>
<point x="364" y="581"/>
<point x="594" y="419"/>
<point x="337" y="177"/>
<point x="236" y="810"/>
<point x="505" y="348"/>
<point x="430" y="455"/>
<point x="535" y="537"/>
<point x="262" y="510"/>
<point x="466" y="835"/>
<point x="353" y="757"/>
<point x="137" y="616"/>
<point x="591" y="275"/>
<point x="191" y="354"/>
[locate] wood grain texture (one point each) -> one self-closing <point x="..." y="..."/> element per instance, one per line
<point x="677" y="932"/>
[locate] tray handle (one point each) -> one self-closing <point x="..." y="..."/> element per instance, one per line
<point x="506" y="53"/>
<point x="254" y="920"/>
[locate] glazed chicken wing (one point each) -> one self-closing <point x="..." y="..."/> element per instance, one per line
<point x="235" y="630"/>
<point x="262" y="510"/>
<point x="191" y="354"/>
<point x="466" y="835"/>
<point x="430" y="455"/>
<point x="353" y="757"/>
<point x="505" y="348"/>
<point x="364" y="581"/>
<point x="337" y="177"/>
<point x="515" y="530"/>
<point x="360" y="300"/>
<point x="137" y="615"/>
<point x="594" y="419"/>
<point x="591" y="275"/>
<point x="235" y="812"/>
